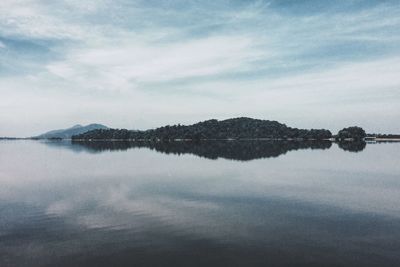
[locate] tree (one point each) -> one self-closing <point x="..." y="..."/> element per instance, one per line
<point x="352" y="133"/>
<point x="236" y="128"/>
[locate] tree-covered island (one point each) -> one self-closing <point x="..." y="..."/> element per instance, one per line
<point x="236" y="128"/>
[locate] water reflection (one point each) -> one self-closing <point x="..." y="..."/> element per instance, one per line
<point x="321" y="207"/>
<point x="352" y="146"/>
<point x="235" y="150"/>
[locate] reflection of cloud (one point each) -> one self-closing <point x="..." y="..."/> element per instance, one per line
<point x="119" y="200"/>
<point x="121" y="207"/>
<point x="140" y="190"/>
<point x="212" y="209"/>
<point x="60" y="208"/>
<point x="63" y="204"/>
<point x="181" y="189"/>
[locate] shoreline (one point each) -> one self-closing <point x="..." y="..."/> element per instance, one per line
<point x="376" y="140"/>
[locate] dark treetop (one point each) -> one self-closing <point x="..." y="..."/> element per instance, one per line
<point x="353" y="133"/>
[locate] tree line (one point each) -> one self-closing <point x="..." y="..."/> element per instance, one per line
<point x="237" y="128"/>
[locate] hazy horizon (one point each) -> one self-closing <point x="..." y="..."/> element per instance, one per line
<point x="144" y="64"/>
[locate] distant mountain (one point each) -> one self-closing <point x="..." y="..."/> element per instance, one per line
<point x="237" y="128"/>
<point x="69" y="132"/>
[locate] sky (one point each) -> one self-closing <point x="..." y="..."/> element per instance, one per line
<point x="143" y="64"/>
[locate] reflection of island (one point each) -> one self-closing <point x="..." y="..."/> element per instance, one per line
<point x="235" y="150"/>
<point x="352" y="146"/>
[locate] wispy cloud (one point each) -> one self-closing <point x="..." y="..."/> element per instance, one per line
<point x="132" y="63"/>
<point x="190" y="61"/>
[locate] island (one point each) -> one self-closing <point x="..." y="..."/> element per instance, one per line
<point x="231" y="129"/>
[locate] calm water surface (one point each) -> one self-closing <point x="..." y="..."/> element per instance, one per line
<point x="229" y="204"/>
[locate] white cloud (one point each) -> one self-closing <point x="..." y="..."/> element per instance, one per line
<point x="136" y="66"/>
<point x="358" y="93"/>
<point x="88" y="6"/>
<point x="131" y="62"/>
<point x="44" y="20"/>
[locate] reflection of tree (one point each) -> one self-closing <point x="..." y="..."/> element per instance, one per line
<point x="235" y="150"/>
<point x="352" y="146"/>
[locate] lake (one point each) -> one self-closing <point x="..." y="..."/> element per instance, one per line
<point x="238" y="203"/>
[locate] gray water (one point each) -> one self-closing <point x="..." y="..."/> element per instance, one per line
<point x="64" y="204"/>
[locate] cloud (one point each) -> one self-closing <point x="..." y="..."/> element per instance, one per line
<point x="28" y="19"/>
<point x="180" y="62"/>
<point x="357" y="93"/>
<point x="130" y="63"/>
